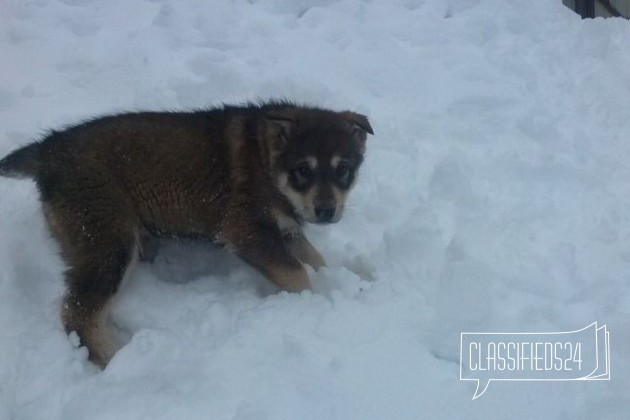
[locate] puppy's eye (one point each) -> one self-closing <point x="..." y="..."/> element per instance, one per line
<point x="304" y="170"/>
<point x="342" y="170"/>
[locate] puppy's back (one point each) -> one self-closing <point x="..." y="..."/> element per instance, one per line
<point x="168" y="169"/>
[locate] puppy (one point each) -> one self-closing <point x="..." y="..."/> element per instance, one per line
<point x="246" y="177"/>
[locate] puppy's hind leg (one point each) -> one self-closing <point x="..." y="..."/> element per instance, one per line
<point x="91" y="285"/>
<point x="98" y="246"/>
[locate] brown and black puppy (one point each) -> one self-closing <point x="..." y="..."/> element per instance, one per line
<point x="245" y="177"/>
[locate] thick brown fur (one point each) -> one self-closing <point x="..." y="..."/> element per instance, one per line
<point x="245" y="177"/>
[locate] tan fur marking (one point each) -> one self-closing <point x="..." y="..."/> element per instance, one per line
<point x="285" y="223"/>
<point x="296" y="199"/>
<point x="311" y="161"/>
<point x="308" y="204"/>
<point x="290" y="279"/>
<point x="102" y="342"/>
<point x="340" y="199"/>
<point x="105" y="340"/>
<point x="304" y="251"/>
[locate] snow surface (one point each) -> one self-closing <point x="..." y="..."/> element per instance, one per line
<point x="495" y="197"/>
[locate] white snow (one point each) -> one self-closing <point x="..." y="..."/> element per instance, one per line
<point x="495" y="197"/>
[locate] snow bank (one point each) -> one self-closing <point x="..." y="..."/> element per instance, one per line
<point x="495" y="197"/>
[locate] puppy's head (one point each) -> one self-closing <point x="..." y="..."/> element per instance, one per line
<point x="314" y="156"/>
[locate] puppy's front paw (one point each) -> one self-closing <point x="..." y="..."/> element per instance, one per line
<point x="291" y="279"/>
<point x="302" y="249"/>
<point x="315" y="260"/>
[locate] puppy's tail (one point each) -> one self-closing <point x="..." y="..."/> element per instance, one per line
<point x="22" y="162"/>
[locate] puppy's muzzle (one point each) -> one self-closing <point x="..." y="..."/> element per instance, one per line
<point x="325" y="214"/>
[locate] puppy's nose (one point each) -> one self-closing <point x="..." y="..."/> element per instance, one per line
<point x="324" y="214"/>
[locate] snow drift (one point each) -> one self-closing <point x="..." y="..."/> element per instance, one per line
<point x="495" y="197"/>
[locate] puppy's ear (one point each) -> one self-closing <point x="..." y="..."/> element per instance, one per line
<point x="282" y="122"/>
<point x="280" y="126"/>
<point x="360" y="127"/>
<point x="358" y="121"/>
